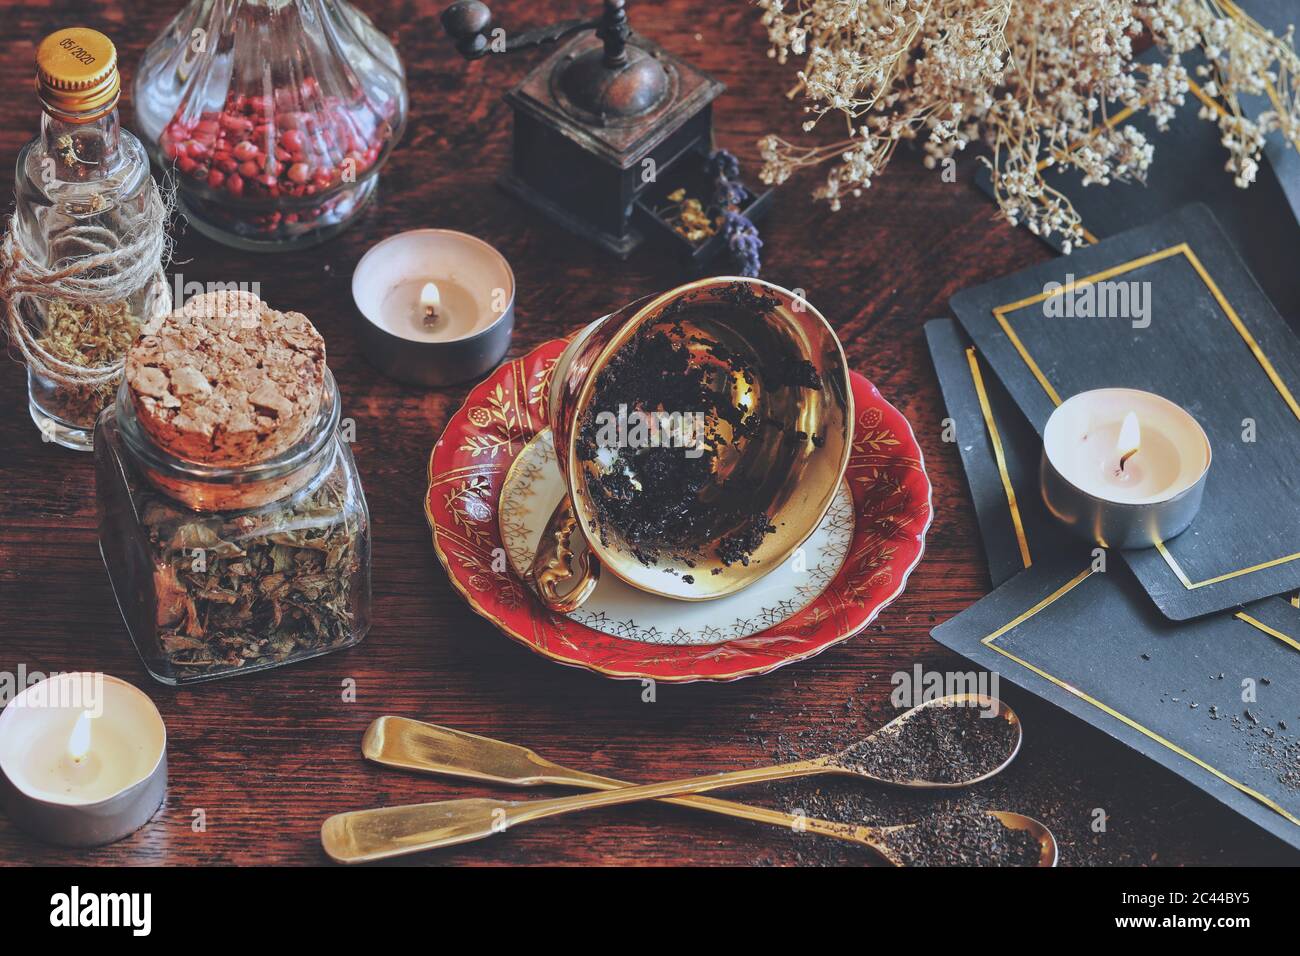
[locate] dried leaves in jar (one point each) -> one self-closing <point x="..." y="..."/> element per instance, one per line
<point x="257" y="588"/>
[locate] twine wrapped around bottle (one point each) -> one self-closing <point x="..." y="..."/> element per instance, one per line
<point x="114" y="269"/>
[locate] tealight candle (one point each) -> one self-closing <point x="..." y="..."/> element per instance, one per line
<point x="84" y="759"/>
<point x="1123" y="468"/>
<point x="438" y="306"/>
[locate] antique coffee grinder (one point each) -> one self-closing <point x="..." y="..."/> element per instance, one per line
<point x="599" y="121"/>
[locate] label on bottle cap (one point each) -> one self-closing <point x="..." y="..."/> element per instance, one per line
<point x="76" y="72"/>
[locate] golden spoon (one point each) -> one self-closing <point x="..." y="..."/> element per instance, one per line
<point x="394" y="741"/>
<point x="412" y="745"/>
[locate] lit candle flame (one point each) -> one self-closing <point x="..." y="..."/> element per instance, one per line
<point x="79" y="740"/>
<point x="1130" y="439"/>
<point x="430" y="302"/>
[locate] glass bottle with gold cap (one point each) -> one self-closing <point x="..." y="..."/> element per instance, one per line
<point x="88" y="237"/>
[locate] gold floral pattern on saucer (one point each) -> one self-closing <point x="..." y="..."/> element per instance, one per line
<point x="891" y="511"/>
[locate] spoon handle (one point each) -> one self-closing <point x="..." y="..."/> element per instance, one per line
<point x="365" y="835"/>
<point x="429" y="748"/>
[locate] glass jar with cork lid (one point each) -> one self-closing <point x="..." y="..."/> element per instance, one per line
<point x="231" y="516"/>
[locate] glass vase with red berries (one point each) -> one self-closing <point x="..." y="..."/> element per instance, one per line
<point x="276" y="116"/>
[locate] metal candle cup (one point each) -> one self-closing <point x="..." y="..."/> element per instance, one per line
<point x="84" y="759"/>
<point x="1110" y="495"/>
<point x="460" y="332"/>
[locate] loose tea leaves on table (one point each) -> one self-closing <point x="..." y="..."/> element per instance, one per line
<point x="964" y="839"/>
<point x="944" y="744"/>
<point x="254" y="588"/>
<point x="1059" y="786"/>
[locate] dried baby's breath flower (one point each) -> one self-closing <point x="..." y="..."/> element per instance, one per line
<point x="1036" y="80"/>
<point x="66" y="147"/>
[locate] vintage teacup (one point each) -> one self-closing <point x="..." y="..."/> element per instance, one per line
<point x="790" y="472"/>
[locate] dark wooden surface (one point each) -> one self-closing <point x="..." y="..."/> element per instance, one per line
<point x="267" y="758"/>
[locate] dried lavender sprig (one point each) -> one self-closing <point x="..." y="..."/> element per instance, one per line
<point x="744" y="243"/>
<point x="729" y="195"/>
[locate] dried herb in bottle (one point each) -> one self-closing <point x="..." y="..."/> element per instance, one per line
<point x="89" y="336"/>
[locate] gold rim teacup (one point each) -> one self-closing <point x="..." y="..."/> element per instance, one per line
<point x="790" y="472"/>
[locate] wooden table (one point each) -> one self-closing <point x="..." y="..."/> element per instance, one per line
<point x="260" y="761"/>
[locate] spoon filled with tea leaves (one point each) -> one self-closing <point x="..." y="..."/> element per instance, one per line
<point x="367" y="835"/>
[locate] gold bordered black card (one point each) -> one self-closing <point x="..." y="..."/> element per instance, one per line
<point x="1171" y="309"/>
<point x="999" y="454"/>
<point x="1216" y="700"/>
<point x="997" y="449"/>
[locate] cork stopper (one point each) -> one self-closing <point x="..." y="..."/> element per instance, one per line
<point x="226" y="380"/>
<point x="76" y="74"/>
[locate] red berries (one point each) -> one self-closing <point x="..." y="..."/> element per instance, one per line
<point x="297" y="143"/>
